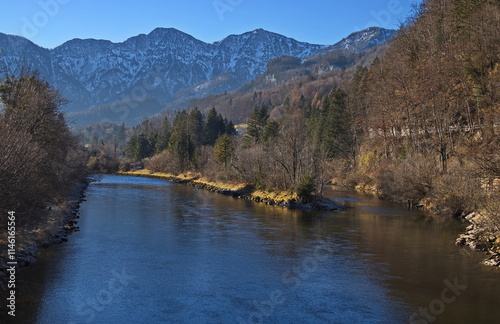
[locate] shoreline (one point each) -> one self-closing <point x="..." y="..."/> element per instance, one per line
<point x="242" y="191"/>
<point x="62" y="220"/>
<point x="479" y="235"/>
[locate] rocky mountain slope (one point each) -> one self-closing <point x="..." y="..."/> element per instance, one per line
<point x="164" y="69"/>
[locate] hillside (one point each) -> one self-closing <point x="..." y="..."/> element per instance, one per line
<point x="315" y="77"/>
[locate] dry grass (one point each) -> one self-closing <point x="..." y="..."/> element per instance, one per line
<point x="195" y="179"/>
<point x="188" y="176"/>
<point x="286" y="196"/>
<point x="220" y="185"/>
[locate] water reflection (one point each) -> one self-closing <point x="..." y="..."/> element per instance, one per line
<point x="199" y="257"/>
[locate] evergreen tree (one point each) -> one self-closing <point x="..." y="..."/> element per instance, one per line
<point x="223" y="150"/>
<point x="214" y="126"/>
<point x="153" y="138"/>
<point x="121" y="137"/>
<point x="130" y="147"/>
<point x="270" y="131"/>
<point x="335" y="125"/>
<point x="163" y="136"/>
<point x="138" y="147"/>
<point x="180" y="143"/>
<point x="195" y="126"/>
<point x="230" y="130"/>
<point x="143" y="147"/>
<point x="305" y="188"/>
<point x="256" y="124"/>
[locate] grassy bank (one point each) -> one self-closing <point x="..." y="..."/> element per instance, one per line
<point x="239" y="190"/>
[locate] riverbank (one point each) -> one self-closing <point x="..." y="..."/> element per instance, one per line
<point x="60" y="222"/>
<point x="283" y="199"/>
<point x="483" y="234"/>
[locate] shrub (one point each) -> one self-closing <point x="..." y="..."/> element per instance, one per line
<point x="305" y="188"/>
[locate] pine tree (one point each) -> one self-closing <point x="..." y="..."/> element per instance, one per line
<point x="336" y="125"/>
<point x="163" y="136"/>
<point x="223" y="150"/>
<point x="138" y="147"/>
<point x="214" y="126"/>
<point x="180" y="143"/>
<point x="256" y="124"/>
<point x="305" y="188"/>
<point x="270" y="131"/>
<point x="130" y="147"/>
<point x="152" y="138"/>
<point x="121" y="137"/>
<point x="143" y="147"/>
<point x="230" y="130"/>
<point x="195" y="126"/>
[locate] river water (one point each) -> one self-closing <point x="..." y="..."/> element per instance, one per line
<point x="150" y="251"/>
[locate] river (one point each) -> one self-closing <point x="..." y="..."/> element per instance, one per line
<point x="150" y="251"/>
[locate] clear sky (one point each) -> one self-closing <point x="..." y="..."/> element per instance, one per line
<point x="50" y="23"/>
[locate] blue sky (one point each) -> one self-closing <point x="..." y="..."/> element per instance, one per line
<point x="50" y="23"/>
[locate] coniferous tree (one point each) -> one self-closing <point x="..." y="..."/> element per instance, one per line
<point x="336" y="125"/>
<point x="256" y="124"/>
<point x="138" y="147"/>
<point x="195" y="126"/>
<point x="121" y="137"/>
<point x="229" y="129"/>
<point x="270" y="131"/>
<point x="214" y="126"/>
<point x="223" y="150"/>
<point x="163" y="136"/>
<point x="153" y="138"/>
<point x="180" y="143"/>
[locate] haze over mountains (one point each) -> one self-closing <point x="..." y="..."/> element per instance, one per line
<point x="164" y="69"/>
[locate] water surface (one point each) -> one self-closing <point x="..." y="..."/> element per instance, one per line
<point x="151" y="251"/>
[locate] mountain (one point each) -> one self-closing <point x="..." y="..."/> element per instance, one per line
<point x="146" y="73"/>
<point x="312" y="78"/>
<point x="351" y="50"/>
<point x="361" y="41"/>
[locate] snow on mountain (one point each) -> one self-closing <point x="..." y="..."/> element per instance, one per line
<point x="362" y="40"/>
<point x="161" y="66"/>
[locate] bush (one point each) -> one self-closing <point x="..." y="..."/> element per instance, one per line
<point x="411" y="179"/>
<point x="305" y="188"/>
<point x="162" y="162"/>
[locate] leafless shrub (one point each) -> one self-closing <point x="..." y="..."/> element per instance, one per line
<point x="162" y="162"/>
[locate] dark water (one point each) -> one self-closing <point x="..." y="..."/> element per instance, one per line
<point x="154" y="252"/>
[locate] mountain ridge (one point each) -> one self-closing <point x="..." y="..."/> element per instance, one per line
<point x="160" y="65"/>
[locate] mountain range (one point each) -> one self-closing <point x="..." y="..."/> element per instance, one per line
<point x="164" y="69"/>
